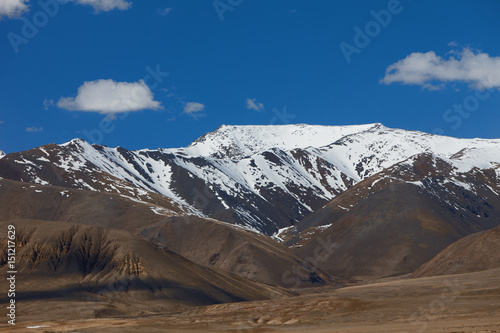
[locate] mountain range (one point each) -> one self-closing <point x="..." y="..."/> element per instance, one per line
<point x="275" y="207"/>
<point x="261" y="177"/>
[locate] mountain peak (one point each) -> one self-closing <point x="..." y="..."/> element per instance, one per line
<point x="76" y="141"/>
<point x="243" y="140"/>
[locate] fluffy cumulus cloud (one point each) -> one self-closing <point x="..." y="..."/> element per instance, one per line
<point x="109" y="97"/>
<point x="193" y="108"/>
<point x="252" y="105"/>
<point x="13" y="8"/>
<point x="106" y="5"/>
<point x="477" y="69"/>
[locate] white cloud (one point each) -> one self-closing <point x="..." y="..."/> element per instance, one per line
<point x="477" y="69"/>
<point x="193" y="108"/>
<point x="13" y="8"/>
<point x="48" y="103"/>
<point x="109" y="97"/>
<point x="251" y="105"/>
<point x="34" y="129"/>
<point x="164" y="11"/>
<point x="106" y="5"/>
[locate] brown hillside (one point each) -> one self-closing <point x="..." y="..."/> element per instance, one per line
<point x="60" y="260"/>
<point x="204" y="241"/>
<point x="477" y="252"/>
<point x="248" y="254"/>
<point x="393" y="222"/>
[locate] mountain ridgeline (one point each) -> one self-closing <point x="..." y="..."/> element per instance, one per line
<point x="262" y="177"/>
<point x="261" y="199"/>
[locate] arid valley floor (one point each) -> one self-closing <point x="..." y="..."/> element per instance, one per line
<point x="459" y="303"/>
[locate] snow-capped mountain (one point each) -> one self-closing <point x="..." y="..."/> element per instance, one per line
<point x="2" y="154"/>
<point x="262" y="177"/>
<point x="398" y="219"/>
<point x="241" y="141"/>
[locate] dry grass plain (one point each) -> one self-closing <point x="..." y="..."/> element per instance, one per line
<point x="445" y="304"/>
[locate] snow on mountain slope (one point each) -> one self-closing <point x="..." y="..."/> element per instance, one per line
<point x="241" y="141"/>
<point x="78" y="164"/>
<point x="2" y="154"/>
<point x="479" y="157"/>
<point x="262" y="177"/>
<point x="399" y="218"/>
<point x="363" y="154"/>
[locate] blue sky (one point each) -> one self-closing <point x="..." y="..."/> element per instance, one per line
<point x="243" y="62"/>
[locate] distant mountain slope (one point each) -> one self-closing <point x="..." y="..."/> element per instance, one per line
<point x="253" y="256"/>
<point x="20" y="200"/>
<point x="398" y="219"/>
<point x="204" y="241"/>
<point x="60" y="260"/>
<point x="263" y="177"/>
<point x="477" y="252"/>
